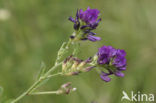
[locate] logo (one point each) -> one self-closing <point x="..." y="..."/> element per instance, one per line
<point x="137" y="97"/>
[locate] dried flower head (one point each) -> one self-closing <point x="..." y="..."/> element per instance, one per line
<point x="74" y="66"/>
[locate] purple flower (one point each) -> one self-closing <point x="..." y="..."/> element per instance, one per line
<point x="104" y="76"/>
<point x="93" y="38"/>
<point x="86" y="21"/>
<point x="113" y="60"/>
<point x="89" y="16"/>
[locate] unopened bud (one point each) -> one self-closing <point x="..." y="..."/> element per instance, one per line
<point x="70" y="90"/>
<point x="66" y="85"/>
<point x="66" y="88"/>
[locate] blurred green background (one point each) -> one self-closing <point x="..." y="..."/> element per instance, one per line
<point x="32" y="31"/>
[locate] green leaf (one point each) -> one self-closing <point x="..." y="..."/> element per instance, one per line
<point x="42" y="70"/>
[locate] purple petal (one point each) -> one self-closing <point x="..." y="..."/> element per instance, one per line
<point x="94" y="25"/>
<point x="88" y="60"/>
<point x="98" y="20"/>
<point x="89" y="16"/>
<point x="71" y="19"/>
<point x="119" y="74"/>
<point x="76" y="26"/>
<point x="122" y="68"/>
<point x="81" y="13"/>
<point x="104" y="74"/>
<point x="105" y="54"/>
<point x="105" y="78"/>
<point x="91" y="33"/>
<point x="93" y="38"/>
<point x="88" y="8"/>
<point x="84" y="26"/>
<point x="121" y="52"/>
<point x="119" y="61"/>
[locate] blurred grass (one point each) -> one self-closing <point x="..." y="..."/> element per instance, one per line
<point x="37" y="28"/>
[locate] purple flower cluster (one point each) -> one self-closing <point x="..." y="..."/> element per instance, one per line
<point x="113" y="60"/>
<point x="86" y="21"/>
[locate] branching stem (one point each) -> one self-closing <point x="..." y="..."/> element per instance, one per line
<point x="33" y="87"/>
<point x="47" y="75"/>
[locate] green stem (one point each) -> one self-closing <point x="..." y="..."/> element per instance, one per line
<point x="43" y="93"/>
<point x="27" y="92"/>
<point x="54" y="75"/>
<point x="68" y="44"/>
<point x="47" y="75"/>
<point x="36" y="84"/>
<point x="52" y="69"/>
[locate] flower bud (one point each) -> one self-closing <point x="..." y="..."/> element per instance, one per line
<point x="66" y="85"/>
<point x="66" y="88"/>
